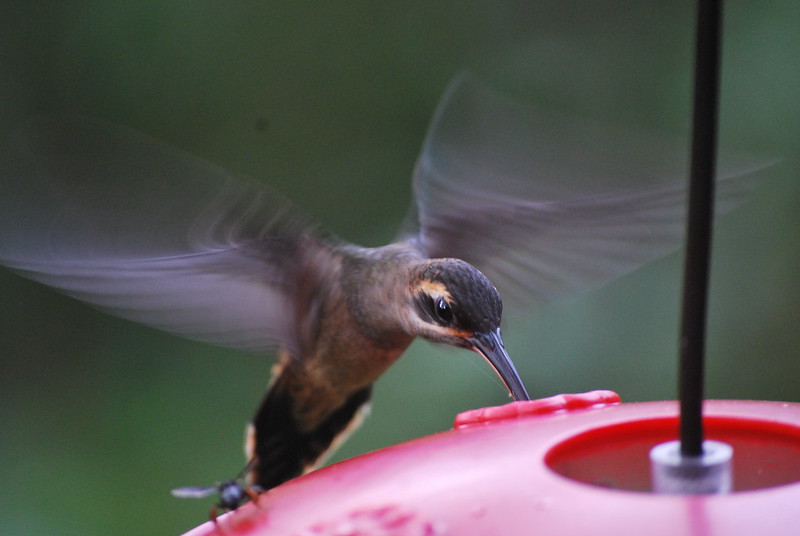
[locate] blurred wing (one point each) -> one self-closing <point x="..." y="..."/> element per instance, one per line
<point x="148" y="233"/>
<point x="191" y="492"/>
<point x="547" y="206"/>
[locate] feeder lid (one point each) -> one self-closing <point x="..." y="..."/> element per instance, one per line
<point x="566" y="465"/>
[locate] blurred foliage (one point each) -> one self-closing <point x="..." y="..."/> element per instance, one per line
<point x="328" y="103"/>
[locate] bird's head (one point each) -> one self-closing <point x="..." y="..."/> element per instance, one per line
<point x="452" y="302"/>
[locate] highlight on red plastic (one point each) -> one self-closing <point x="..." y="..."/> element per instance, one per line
<point x="541" y="406"/>
<point x="567" y="465"/>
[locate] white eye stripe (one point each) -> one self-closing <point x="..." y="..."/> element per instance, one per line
<point x="435" y="290"/>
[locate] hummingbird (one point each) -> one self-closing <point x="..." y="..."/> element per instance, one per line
<point x="504" y="195"/>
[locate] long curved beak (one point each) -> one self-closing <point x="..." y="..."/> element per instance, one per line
<point x="490" y="346"/>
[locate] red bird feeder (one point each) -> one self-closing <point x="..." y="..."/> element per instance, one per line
<point x="570" y="464"/>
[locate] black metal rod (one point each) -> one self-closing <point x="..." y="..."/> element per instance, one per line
<point x="700" y="218"/>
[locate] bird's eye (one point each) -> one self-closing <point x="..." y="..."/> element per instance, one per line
<point x="442" y="311"/>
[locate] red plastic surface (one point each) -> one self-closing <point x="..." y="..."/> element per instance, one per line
<point x="541" y="406"/>
<point x="526" y="472"/>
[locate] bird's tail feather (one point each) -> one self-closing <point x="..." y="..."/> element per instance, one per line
<point x="280" y="446"/>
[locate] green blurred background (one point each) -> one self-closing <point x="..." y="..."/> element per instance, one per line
<point x="328" y="103"/>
